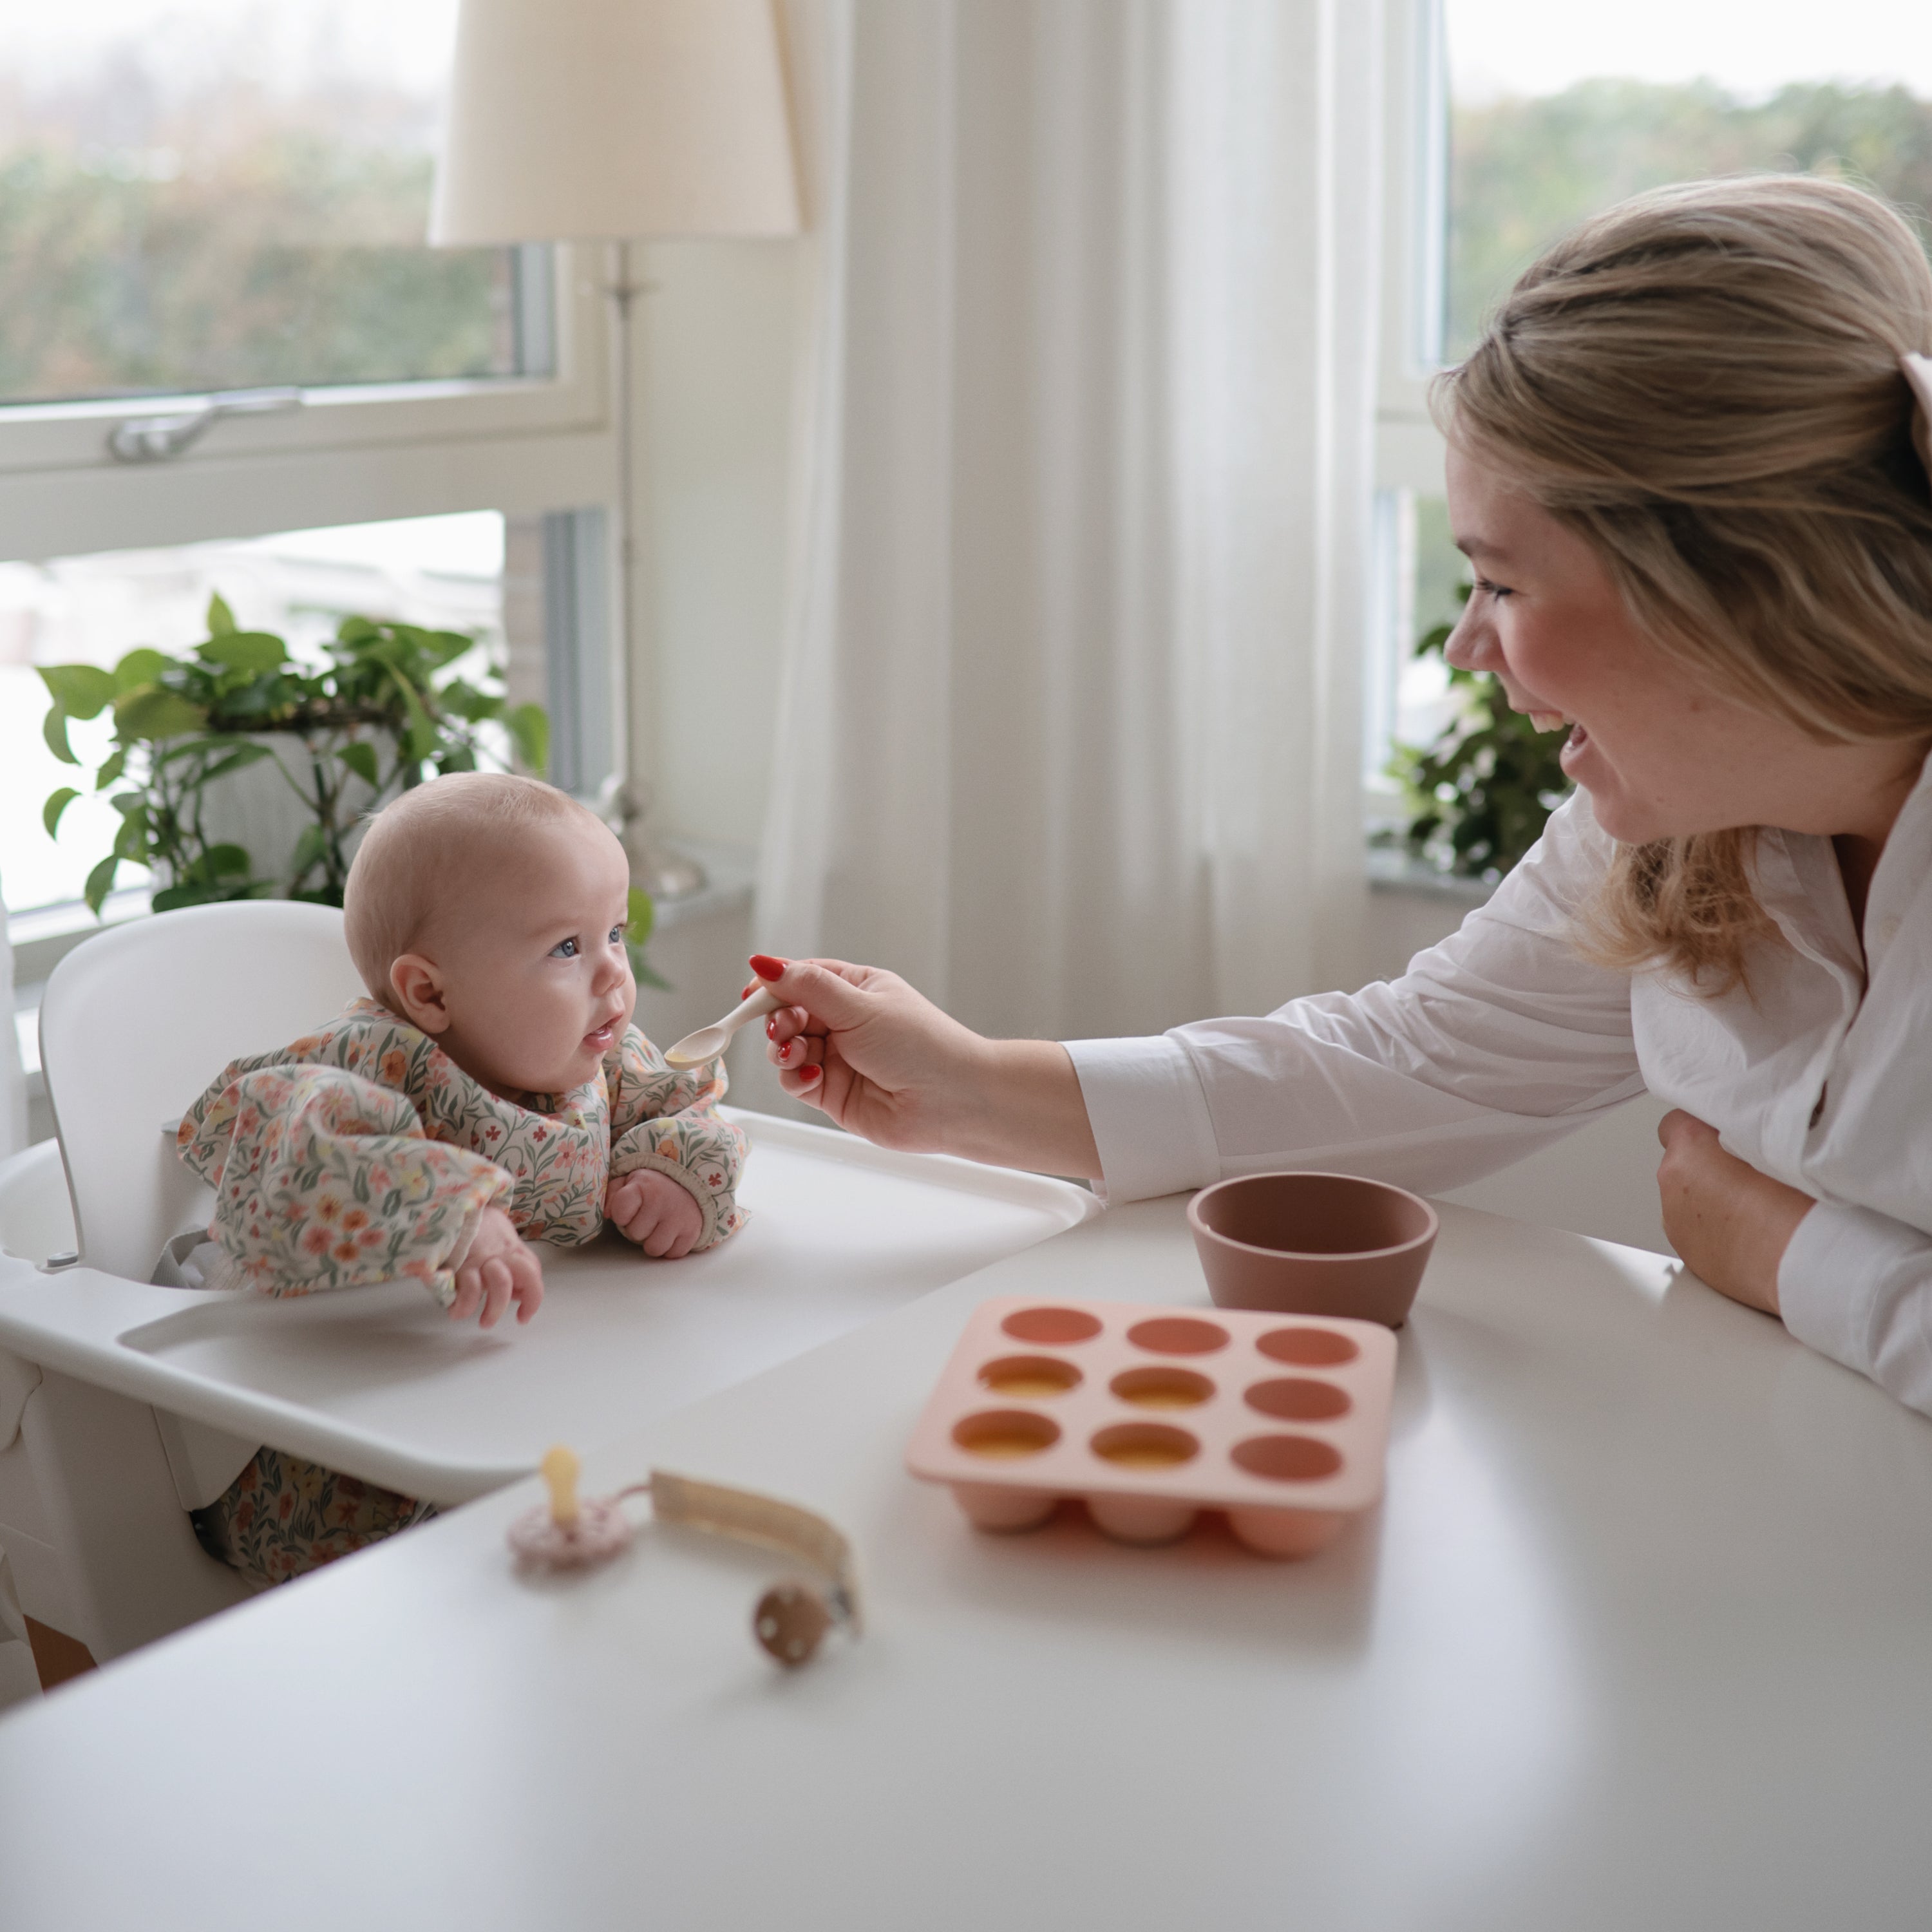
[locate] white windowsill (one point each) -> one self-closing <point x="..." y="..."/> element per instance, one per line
<point x="1392" y="869"/>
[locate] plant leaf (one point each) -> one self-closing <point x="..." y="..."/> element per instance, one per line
<point x="117" y="764"/>
<point x="529" y="730"/>
<point x="141" y="667"/>
<point x="309" y="849"/>
<point x="255" y="651"/>
<point x="241" y="755"/>
<point x="421" y="735"/>
<point x="221" y="862"/>
<point x="643" y="916"/>
<point x="442" y="647"/>
<point x="100" y="883"/>
<point x="81" y="691"/>
<point x="131" y="841"/>
<point x="53" y="729"/>
<point x="357" y="631"/>
<point x="220" y="618"/>
<point x="361" y="759"/>
<point x="152" y="712"/>
<point x="463" y="697"/>
<point x="57" y="803"/>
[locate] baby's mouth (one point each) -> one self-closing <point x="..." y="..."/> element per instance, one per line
<point x="600" y="1037"/>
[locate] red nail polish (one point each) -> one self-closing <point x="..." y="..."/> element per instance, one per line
<point x="746" y="992"/>
<point x="809" y="1072"/>
<point x="771" y="1027"/>
<point x="765" y="967"/>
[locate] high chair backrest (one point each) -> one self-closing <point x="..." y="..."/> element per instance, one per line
<point x="135" y="1023"/>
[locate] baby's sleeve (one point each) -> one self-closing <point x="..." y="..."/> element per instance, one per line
<point x="324" y="1180"/>
<point x="666" y="1118"/>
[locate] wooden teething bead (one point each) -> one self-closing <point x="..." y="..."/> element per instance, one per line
<point x="790" y="1622"/>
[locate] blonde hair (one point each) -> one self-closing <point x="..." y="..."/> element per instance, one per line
<point x="1704" y="383"/>
<point x="423" y="848"/>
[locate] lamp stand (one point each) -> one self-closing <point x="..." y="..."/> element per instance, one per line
<point x="664" y="874"/>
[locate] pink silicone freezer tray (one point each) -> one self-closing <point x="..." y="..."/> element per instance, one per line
<point x="1151" y="1414"/>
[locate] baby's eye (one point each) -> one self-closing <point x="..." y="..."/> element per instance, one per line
<point x="616" y="935"/>
<point x="566" y="948"/>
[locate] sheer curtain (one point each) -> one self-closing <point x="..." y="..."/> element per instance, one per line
<point x="1069" y="731"/>
<point x="13" y="1083"/>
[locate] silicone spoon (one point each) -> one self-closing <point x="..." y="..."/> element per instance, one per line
<point x="708" y="1042"/>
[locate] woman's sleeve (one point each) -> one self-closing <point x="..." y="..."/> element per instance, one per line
<point x="665" y="1118"/>
<point x="324" y="1179"/>
<point x="1857" y="1286"/>
<point x="1492" y="1044"/>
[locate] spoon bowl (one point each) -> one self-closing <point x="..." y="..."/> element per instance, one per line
<point x="708" y="1042"/>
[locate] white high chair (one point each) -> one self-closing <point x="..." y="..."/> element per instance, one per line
<point x="100" y="1366"/>
<point x="94" y="1487"/>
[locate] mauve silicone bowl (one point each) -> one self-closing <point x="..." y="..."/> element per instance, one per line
<point x="1313" y="1244"/>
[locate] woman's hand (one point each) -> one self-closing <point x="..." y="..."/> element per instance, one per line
<point x="1730" y="1224"/>
<point x="884" y="1062"/>
<point x="499" y="1266"/>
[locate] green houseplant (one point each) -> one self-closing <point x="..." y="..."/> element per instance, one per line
<point x="383" y="712"/>
<point x="1478" y="796"/>
<point x="377" y="717"/>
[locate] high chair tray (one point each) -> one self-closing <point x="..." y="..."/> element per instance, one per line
<point x="380" y="1383"/>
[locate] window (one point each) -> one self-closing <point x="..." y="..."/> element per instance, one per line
<point x="442" y="572"/>
<point x="1553" y="115"/>
<point x="204" y="197"/>
<point x="201" y="197"/>
<point x="1520" y="119"/>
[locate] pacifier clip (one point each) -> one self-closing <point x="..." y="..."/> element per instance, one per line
<point x="791" y="1618"/>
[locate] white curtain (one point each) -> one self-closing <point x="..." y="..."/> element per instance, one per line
<point x="1070" y="731"/>
<point x="13" y="1082"/>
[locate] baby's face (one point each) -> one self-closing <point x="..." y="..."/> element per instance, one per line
<point x="534" y="978"/>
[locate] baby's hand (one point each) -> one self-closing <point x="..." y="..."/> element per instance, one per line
<point x="653" y="1210"/>
<point x="497" y="1268"/>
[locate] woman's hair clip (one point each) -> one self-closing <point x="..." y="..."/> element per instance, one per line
<point x="1917" y="371"/>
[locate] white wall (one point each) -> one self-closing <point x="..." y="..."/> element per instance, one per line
<point x="716" y="342"/>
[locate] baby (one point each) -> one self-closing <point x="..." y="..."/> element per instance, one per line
<point x="491" y="1092"/>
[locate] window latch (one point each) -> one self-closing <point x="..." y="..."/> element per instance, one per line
<point x="158" y="439"/>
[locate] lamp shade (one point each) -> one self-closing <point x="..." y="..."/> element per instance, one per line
<point x="603" y="119"/>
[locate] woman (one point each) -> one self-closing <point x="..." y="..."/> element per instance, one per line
<point x="1682" y="464"/>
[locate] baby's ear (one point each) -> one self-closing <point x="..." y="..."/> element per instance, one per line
<point x="419" y="990"/>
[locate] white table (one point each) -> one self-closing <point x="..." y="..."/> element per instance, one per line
<point x="1641" y="1638"/>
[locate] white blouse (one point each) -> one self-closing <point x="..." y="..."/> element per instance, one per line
<point x="1501" y="1039"/>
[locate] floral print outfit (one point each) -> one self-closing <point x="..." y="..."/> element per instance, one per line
<point x="362" y="1153"/>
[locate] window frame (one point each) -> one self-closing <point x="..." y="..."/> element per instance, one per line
<point x="1410" y="452"/>
<point x="1409" y="448"/>
<point x="353" y="454"/>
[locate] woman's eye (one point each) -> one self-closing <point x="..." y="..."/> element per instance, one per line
<point x="566" y="948"/>
<point x="1497" y="591"/>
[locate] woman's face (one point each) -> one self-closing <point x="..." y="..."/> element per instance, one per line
<point x="1659" y="756"/>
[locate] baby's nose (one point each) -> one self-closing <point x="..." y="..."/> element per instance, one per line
<point x="1472" y="645"/>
